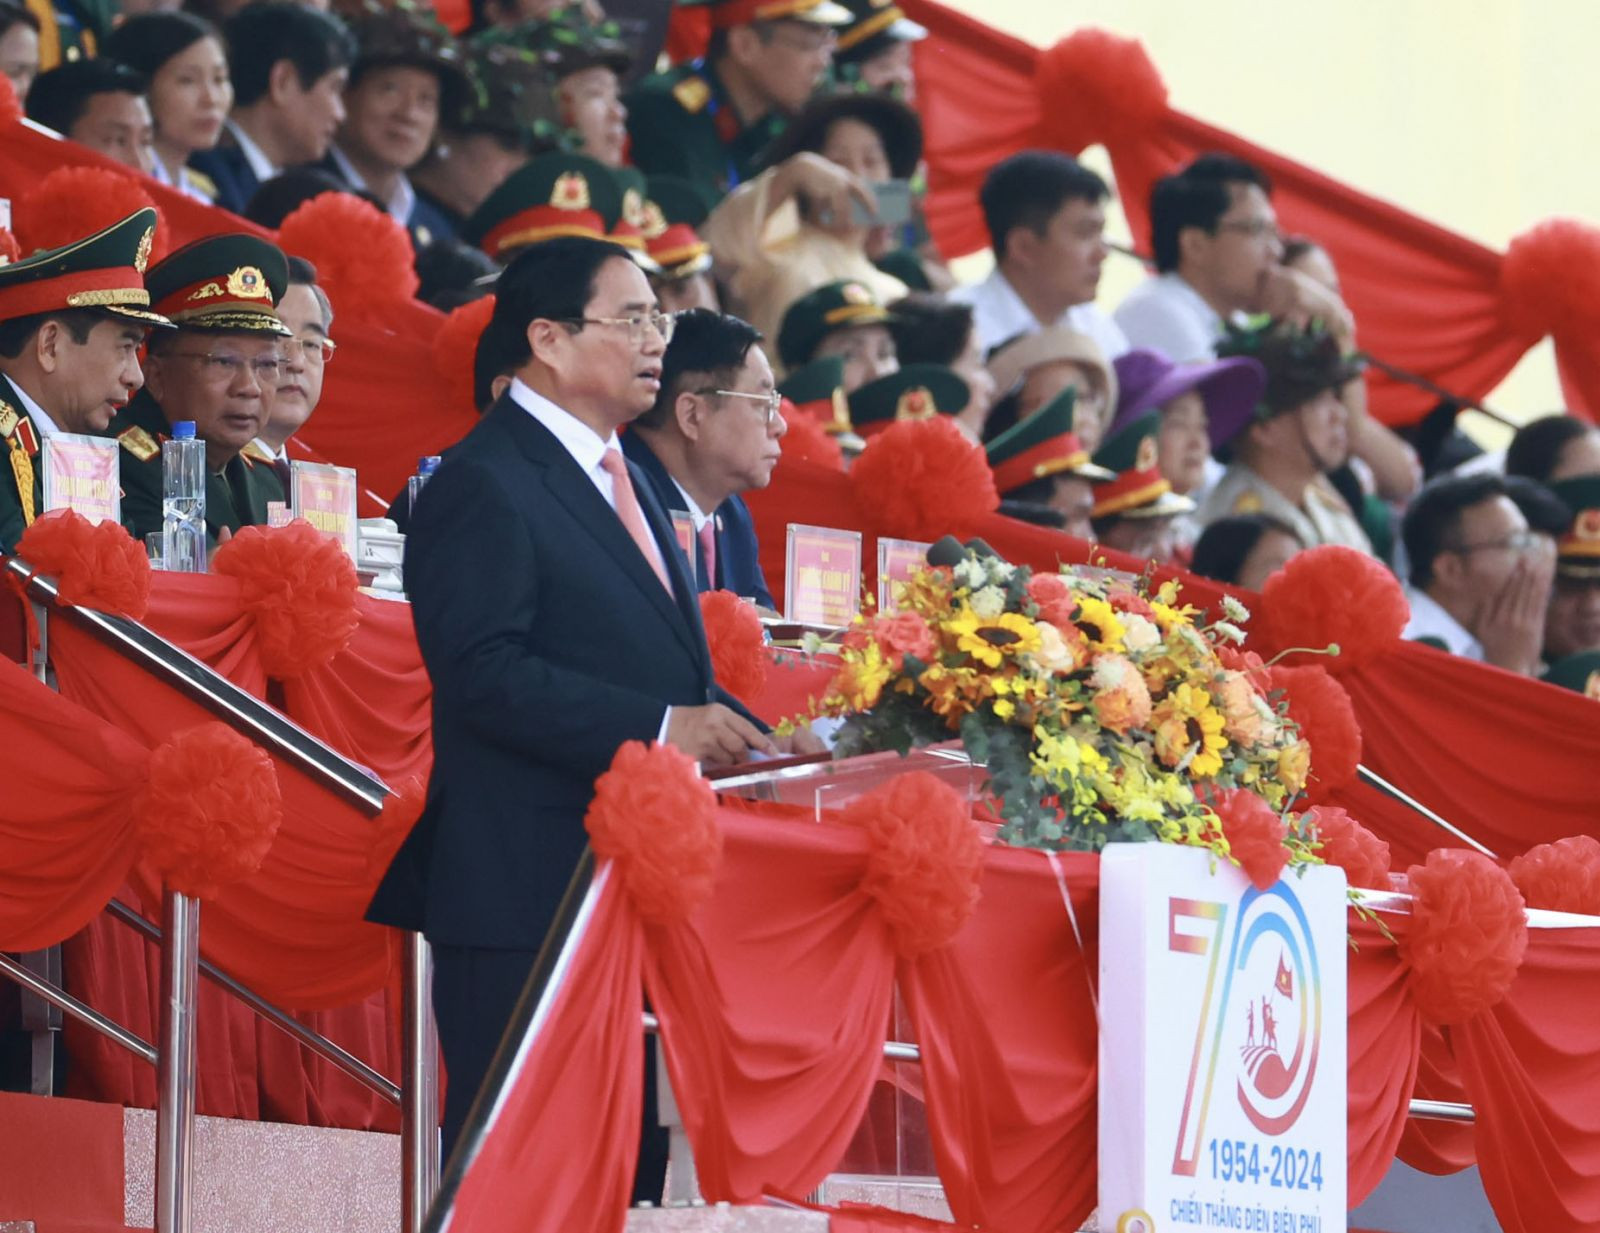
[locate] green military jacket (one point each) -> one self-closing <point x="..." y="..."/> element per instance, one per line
<point x="237" y="496"/>
<point x="19" y="461"/>
<point x="680" y="122"/>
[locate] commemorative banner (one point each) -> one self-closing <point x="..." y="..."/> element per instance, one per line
<point x="1222" y="1046"/>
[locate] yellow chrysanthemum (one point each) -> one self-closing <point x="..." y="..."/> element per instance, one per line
<point x="862" y="676"/>
<point x="990" y="640"/>
<point x="1100" y="623"/>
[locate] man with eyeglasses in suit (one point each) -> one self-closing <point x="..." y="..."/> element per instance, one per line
<point x="220" y="368"/>
<point x="308" y="315"/>
<point x="714" y="431"/>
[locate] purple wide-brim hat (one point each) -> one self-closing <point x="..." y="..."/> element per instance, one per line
<point x="1231" y="389"/>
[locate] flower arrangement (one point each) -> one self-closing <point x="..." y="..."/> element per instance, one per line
<point x="1103" y="709"/>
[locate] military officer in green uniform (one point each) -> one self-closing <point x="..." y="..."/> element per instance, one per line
<point x="1133" y="512"/>
<point x="710" y="121"/>
<point x="218" y="368"/>
<point x="915" y="392"/>
<point x="1041" y="462"/>
<point x="71" y="321"/>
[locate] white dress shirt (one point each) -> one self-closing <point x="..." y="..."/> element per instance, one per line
<point x="401" y="202"/>
<point x="1166" y="314"/>
<point x="47" y="427"/>
<point x="999" y="314"/>
<point x="261" y="166"/>
<point x="1429" y="619"/>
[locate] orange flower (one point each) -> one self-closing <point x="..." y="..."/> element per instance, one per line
<point x="1238" y="698"/>
<point x="1121" y="700"/>
<point x="904" y="633"/>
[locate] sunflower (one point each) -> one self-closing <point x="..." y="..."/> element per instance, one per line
<point x="1186" y="721"/>
<point x="1100" y="624"/>
<point x="989" y="640"/>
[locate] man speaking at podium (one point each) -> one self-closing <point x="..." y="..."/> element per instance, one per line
<point x="557" y="619"/>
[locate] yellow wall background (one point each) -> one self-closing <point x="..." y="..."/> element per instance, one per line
<point x="1480" y="115"/>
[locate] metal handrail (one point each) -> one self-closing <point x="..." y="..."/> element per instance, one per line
<point x="79" y="1010"/>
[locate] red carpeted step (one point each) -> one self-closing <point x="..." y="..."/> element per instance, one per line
<point x="61" y="1163"/>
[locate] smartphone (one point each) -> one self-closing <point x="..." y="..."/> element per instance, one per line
<point x="894" y="205"/>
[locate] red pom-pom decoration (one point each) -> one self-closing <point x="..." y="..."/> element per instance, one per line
<point x="1334" y="595"/>
<point x="95" y="564"/>
<point x="805" y="440"/>
<point x="1327" y="722"/>
<point x="363" y="257"/>
<point x="300" y="588"/>
<point x="209" y="810"/>
<point x="918" y="479"/>
<point x="657" y="819"/>
<point x="1550" y="280"/>
<point x="1095" y="86"/>
<point x="10" y="250"/>
<point x="72" y="203"/>
<point x="1346" y="843"/>
<point x="1255" y="835"/>
<point x="10" y="105"/>
<point x="455" y="349"/>
<point x="1561" y="877"/>
<point x="925" y="858"/>
<point x="1467" y="935"/>
<point x="738" y="651"/>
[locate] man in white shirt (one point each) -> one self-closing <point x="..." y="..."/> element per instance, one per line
<point x="308" y="315"/>
<point x="1047" y="218"/>
<point x="1218" y="257"/>
<point x="1480" y="580"/>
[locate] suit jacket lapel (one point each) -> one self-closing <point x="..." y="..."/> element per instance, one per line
<point x="577" y="492"/>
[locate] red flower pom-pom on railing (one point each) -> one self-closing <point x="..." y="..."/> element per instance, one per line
<point x="73" y="202"/>
<point x="300" y="588"/>
<point x="1332" y="595"/>
<point x="364" y="258"/>
<point x="1550" y="280"/>
<point x="657" y="819"/>
<point x="1561" y="877"/>
<point x="925" y="858"/>
<point x="209" y="810"/>
<point x="455" y="350"/>
<point x="807" y="441"/>
<point x="738" y="651"/>
<point x="1255" y="835"/>
<point x="1327" y="722"/>
<point x="1466" y="937"/>
<point x="1346" y="843"/>
<point x="10" y="250"/>
<point x="919" y="479"/>
<point x="1095" y="86"/>
<point x="95" y="564"/>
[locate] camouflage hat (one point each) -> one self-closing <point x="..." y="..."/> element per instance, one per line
<point x="1579" y="673"/>
<point x="1043" y="444"/>
<point x="389" y="35"/>
<point x="1139" y="490"/>
<point x="1578" y="551"/>
<point x="672" y="212"/>
<point x="555" y="194"/>
<point x="1300" y="363"/>
<point x="103" y="271"/>
<point x="567" y="42"/>
<point x="815" y="315"/>
<point x="916" y="392"/>
<point x="222" y="283"/>
<point x="515" y="100"/>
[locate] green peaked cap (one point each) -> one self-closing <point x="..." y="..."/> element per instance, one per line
<point x="1579" y="673"/>
<point x="832" y="306"/>
<point x="103" y="271"/>
<point x="554" y="194"/>
<point x="223" y="283"/>
<point x="815" y="381"/>
<point x="916" y="392"/>
<point x="1043" y="444"/>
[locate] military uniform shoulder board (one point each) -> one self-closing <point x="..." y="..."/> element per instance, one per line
<point x="692" y="94"/>
<point x="26" y="436"/>
<point x="256" y="452"/>
<point x="139" y="443"/>
<point x="1248" y="502"/>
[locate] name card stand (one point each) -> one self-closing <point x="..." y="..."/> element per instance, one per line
<point x="80" y="473"/>
<point x="1222" y="1046"/>
<point x="822" y="576"/>
<point x="898" y="559"/>
<point x="325" y="496"/>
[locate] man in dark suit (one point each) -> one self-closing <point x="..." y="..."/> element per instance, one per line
<point x="713" y="432"/>
<point x="557" y="621"/>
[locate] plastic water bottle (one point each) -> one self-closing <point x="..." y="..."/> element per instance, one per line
<point x="425" y="469"/>
<point x="183" y="501"/>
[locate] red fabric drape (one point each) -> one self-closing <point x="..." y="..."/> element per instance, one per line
<point x="1426" y="299"/>
<point x="1382" y="1062"/>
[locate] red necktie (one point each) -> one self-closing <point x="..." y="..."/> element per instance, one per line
<point x="708" y="552"/>
<point x="627" y="503"/>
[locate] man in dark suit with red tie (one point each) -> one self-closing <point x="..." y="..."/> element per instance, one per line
<point x="713" y="432"/>
<point x="557" y="620"/>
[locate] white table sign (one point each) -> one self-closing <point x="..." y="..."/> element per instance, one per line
<point x="1222" y="1046"/>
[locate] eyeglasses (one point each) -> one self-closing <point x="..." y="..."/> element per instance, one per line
<point x="1252" y="228"/>
<point x="772" y="400"/>
<point x="314" y="350"/>
<point x="662" y="323"/>
<point x="1519" y="542"/>
<point x="220" y="365"/>
<point x="803" y="38"/>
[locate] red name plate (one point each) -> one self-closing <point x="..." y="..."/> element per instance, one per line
<point x="80" y="474"/>
<point x="823" y="576"/>
<point x="898" y="559"/>
<point x="325" y="496"/>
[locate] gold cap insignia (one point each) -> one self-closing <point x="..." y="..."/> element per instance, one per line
<point x="855" y="293"/>
<point x="1145" y="459"/>
<point x="692" y="94"/>
<point x="1587" y="524"/>
<point x="1591" y="687"/>
<point x="652" y="222"/>
<point x="633" y="207"/>
<point x="141" y="256"/>
<point x="571" y="191"/>
<point x="249" y="283"/>
<point x="915" y="404"/>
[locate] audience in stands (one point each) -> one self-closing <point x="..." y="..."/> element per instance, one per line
<point x="1480" y="579"/>
<point x="1244" y="549"/>
<point x="185" y="62"/>
<point x="714" y="432"/>
<point x="289" y="65"/>
<point x="1554" y="447"/>
<point x="19" y="45"/>
<point x="683" y="277"/>
<point x="929" y="329"/>
<point x="874" y="50"/>
<point x="1135" y="510"/>
<point x="100" y="104"/>
<point x="844" y="319"/>
<point x="1572" y="625"/>
<point x="1046" y="216"/>
<point x="1031" y="370"/>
